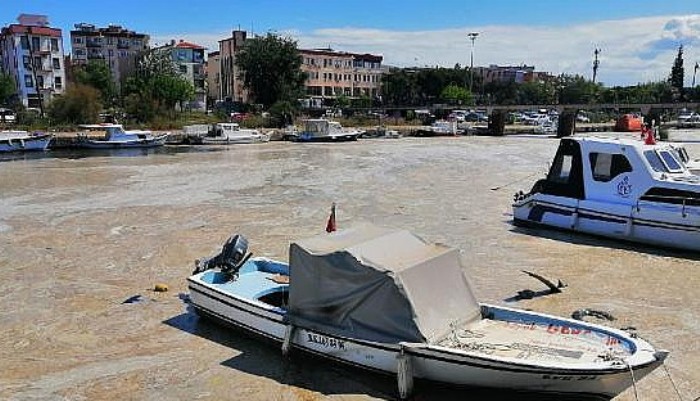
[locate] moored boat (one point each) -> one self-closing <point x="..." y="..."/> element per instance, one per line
<point x="618" y="188"/>
<point x="387" y="301"/>
<point x="322" y="130"/>
<point x="232" y="133"/>
<point x="113" y="136"/>
<point x="20" y="141"/>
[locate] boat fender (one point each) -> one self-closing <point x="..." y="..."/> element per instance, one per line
<point x="287" y="343"/>
<point x="404" y="374"/>
<point x="21" y="143"/>
<point x="160" y="287"/>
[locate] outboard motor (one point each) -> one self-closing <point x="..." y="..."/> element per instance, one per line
<point x="233" y="255"/>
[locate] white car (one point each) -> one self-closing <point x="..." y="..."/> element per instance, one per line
<point x="7" y="116"/>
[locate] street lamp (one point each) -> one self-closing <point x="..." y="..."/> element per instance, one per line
<point x="472" y="36"/>
<point x="695" y="71"/>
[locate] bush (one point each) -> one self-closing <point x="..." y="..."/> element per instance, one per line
<point x="79" y="105"/>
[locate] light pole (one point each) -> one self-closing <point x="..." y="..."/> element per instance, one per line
<point x="695" y="71"/>
<point x="472" y="36"/>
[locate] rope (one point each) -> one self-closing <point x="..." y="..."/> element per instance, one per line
<point x="674" y="384"/>
<point x="634" y="381"/>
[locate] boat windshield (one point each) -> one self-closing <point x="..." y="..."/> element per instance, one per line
<point x="655" y="161"/>
<point x="672" y="164"/>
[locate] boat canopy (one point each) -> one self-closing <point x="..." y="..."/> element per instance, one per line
<point x="378" y="284"/>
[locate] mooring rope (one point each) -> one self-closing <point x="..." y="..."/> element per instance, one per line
<point x="674" y="384"/>
<point x="634" y="381"/>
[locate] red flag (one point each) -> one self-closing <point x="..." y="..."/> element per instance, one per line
<point x="330" y="226"/>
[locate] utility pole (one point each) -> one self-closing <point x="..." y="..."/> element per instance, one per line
<point x="472" y="36"/>
<point x="695" y="71"/>
<point x="596" y="63"/>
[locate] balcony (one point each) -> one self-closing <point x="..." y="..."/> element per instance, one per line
<point x="122" y="45"/>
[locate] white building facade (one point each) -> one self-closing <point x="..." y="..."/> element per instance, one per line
<point x="32" y="53"/>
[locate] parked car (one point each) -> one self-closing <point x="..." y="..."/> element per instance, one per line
<point x="7" y="116"/>
<point x="687" y="118"/>
<point x="582" y="118"/>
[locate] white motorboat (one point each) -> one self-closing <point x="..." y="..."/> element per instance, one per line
<point x="387" y="301"/>
<point x="618" y="188"/>
<point x="113" y="136"/>
<point x="232" y="133"/>
<point x="322" y="130"/>
<point x="20" y="141"/>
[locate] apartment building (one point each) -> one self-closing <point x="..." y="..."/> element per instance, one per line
<point x="231" y="87"/>
<point x="334" y="73"/>
<point x="114" y="45"/>
<point x="32" y="53"/>
<point x="213" y="73"/>
<point x="189" y="61"/>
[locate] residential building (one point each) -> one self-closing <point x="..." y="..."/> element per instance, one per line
<point x="503" y="74"/>
<point x="114" y="45"/>
<point x="189" y="61"/>
<point x="231" y="85"/>
<point x="32" y="53"/>
<point x="334" y="73"/>
<point x="213" y="74"/>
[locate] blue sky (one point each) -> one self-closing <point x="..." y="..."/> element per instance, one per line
<point x="557" y="36"/>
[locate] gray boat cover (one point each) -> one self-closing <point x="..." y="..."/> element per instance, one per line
<point x="378" y="284"/>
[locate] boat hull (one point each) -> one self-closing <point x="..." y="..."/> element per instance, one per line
<point x="429" y="363"/>
<point x="232" y="141"/>
<point x="663" y="225"/>
<point x="30" y="143"/>
<point x="128" y="144"/>
<point x="327" y="138"/>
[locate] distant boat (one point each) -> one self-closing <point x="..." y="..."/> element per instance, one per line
<point x="322" y="130"/>
<point x="440" y="128"/>
<point x="387" y="301"/>
<point x="232" y="133"/>
<point x="21" y="141"/>
<point x="113" y="136"/>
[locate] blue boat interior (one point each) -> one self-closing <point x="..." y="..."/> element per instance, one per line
<point x="259" y="279"/>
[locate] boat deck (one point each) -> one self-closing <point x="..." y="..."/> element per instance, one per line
<point x="256" y="278"/>
<point x="539" y="341"/>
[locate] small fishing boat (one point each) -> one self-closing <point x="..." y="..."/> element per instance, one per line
<point x="618" y="188"/>
<point x="113" y="136"/>
<point x="322" y="130"/>
<point x="20" y="141"/>
<point x="387" y="301"/>
<point x="232" y="133"/>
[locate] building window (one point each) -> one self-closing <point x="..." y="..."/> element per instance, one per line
<point x="54" y="44"/>
<point x="78" y="39"/>
<point x="27" y="62"/>
<point x="24" y="42"/>
<point x="56" y="63"/>
<point x="183" y="69"/>
<point x="36" y="44"/>
<point x="28" y="81"/>
<point x="39" y="82"/>
<point x="58" y="82"/>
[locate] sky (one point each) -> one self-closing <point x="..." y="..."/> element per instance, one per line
<point x="638" y="39"/>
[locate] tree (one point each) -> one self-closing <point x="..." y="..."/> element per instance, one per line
<point x="454" y="94"/>
<point x="7" y="88"/>
<point x="170" y="90"/>
<point x="98" y="75"/>
<point x="677" y="73"/>
<point x="271" y="69"/>
<point x="79" y="105"/>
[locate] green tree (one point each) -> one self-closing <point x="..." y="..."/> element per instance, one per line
<point x="79" y="105"/>
<point x="170" y="90"/>
<point x="7" y="88"/>
<point x="454" y="94"/>
<point x="536" y="93"/>
<point x="575" y="89"/>
<point x="97" y="74"/>
<point x="678" y="73"/>
<point x="271" y="69"/>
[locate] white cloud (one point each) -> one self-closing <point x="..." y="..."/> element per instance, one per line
<point x="633" y="50"/>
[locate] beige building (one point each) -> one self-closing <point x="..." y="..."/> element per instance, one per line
<point x="188" y="59"/>
<point x="231" y="87"/>
<point x="333" y="73"/>
<point x="213" y="71"/>
<point x="116" y="46"/>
